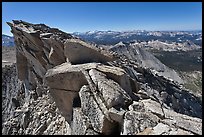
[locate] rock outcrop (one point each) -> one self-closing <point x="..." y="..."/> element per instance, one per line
<point x="145" y="59"/>
<point x="68" y="86"/>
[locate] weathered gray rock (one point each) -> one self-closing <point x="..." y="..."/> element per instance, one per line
<point x="79" y="52"/>
<point x="91" y="132"/>
<point x="116" y="115"/>
<point x="36" y="52"/>
<point x="111" y="91"/>
<point x="67" y="86"/>
<point x="163" y="129"/>
<point x="179" y="132"/>
<point x="55" y="54"/>
<point x="70" y="77"/>
<point x="65" y="77"/>
<point x="145" y="59"/>
<point x="135" y="122"/>
<point x="187" y="123"/>
<point x="154" y="107"/>
<point x="25" y="119"/>
<point x="190" y="124"/>
<point x="64" y="101"/>
<point x="137" y="106"/>
<point x="91" y="109"/>
<point x="41" y="129"/>
<point x="80" y="122"/>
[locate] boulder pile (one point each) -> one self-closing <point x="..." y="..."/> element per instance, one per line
<point x="69" y="86"/>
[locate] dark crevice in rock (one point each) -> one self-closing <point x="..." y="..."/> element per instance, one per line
<point x="65" y="90"/>
<point x="15" y="102"/>
<point x="77" y="101"/>
<point x="117" y="129"/>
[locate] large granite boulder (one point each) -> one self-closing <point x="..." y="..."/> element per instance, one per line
<point x="66" y="86"/>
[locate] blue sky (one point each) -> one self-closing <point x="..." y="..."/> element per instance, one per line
<point x="118" y="16"/>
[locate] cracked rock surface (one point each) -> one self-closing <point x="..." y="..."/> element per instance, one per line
<point x="62" y="85"/>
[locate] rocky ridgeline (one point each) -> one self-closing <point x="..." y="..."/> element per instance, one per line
<point x="145" y="59"/>
<point x="64" y="85"/>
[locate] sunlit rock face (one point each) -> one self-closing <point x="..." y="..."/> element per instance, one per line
<point x="63" y="85"/>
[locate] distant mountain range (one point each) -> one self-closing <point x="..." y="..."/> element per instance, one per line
<point x="113" y="37"/>
<point x="7" y="40"/>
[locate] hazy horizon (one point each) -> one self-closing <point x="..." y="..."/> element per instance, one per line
<point x="121" y="31"/>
